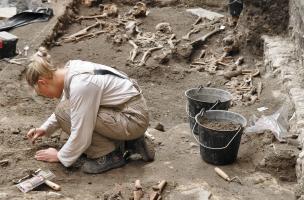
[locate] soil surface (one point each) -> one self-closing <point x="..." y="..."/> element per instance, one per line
<point x="219" y="125"/>
<point x="265" y="166"/>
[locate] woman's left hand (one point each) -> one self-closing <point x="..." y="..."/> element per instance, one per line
<point x="48" y="155"/>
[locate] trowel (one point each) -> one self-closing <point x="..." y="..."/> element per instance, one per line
<point x="36" y="178"/>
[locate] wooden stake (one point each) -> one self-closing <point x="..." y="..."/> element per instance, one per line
<point x="156" y="194"/>
<point x="138" y="185"/>
<point x="138" y="192"/>
<point x="161" y="185"/>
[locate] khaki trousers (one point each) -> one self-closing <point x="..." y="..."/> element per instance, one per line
<point x="123" y="122"/>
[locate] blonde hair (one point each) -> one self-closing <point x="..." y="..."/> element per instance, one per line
<point x="40" y="65"/>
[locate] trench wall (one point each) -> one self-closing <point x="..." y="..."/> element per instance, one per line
<point x="296" y="26"/>
<point x="296" y="31"/>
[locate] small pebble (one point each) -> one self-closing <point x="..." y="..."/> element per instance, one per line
<point x="3" y="195"/>
<point x="4" y="162"/>
<point x="54" y="195"/>
<point x="192" y="144"/>
<point x="263" y="163"/>
<point x="159" y="127"/>
<point x="259" y="180"/>
<point x="15" y="131"/>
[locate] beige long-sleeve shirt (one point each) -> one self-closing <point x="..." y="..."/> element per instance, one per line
<point x="86" y="93"/>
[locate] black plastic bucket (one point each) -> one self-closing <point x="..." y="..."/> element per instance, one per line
<point x="220" y="147"/>
<point x="199" y="98"/>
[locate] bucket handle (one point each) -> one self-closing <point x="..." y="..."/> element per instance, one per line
<point x="202" y="110"/>
<point x="213" y="148"/>
<point x="236" y="1"/>
<point x="199" y="88"/>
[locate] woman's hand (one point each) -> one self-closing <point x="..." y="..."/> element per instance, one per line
<point x="35" y="133"/>
<point x="47" y="155"/>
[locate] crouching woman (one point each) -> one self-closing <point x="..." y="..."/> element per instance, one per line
<point x="103" y="111"/>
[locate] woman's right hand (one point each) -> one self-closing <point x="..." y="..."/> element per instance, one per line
<point x="35" y="133"/>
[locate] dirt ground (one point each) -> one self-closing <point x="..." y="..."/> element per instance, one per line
<point x="265" y="166"/>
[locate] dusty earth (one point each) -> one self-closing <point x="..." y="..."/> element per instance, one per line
<point x="265" y="167"/>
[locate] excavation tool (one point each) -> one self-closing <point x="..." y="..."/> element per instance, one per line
<point x="48" y="175"/>
<point x="36" y="178"/>
<point x="222" y="174"/>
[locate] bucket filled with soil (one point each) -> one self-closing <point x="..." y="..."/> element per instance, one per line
<point x="205" y="98"/>
<point x="220" y="135"/>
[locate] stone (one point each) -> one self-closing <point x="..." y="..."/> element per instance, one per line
<point x="159" y="127"/>
<point x="258" y="180"/>
<point x="54" y="195"/>
<point x="299" y="189"/>
<point x="299" y="113"/>
<point x="15" y="130"/>
<point x="301" y="136"/>
<point x="300" y="124"/>
<point x="192" y="144"/>
<point x="301" y="155"/>
<point x="262" y="163"/>
<point x="277" y="51"/>
<point x="299" y="167"/>
<point x="296" y="92"/>
<point x="293" y="142"/>
<point x="200" y="12"/>
<point x="196" y="193"/>
<point x="3" y="195"/>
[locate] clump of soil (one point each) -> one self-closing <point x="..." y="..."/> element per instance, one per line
<point x="268" y="155"/>
<point x="262" y="17"/>
<point x="219" y="125"/>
